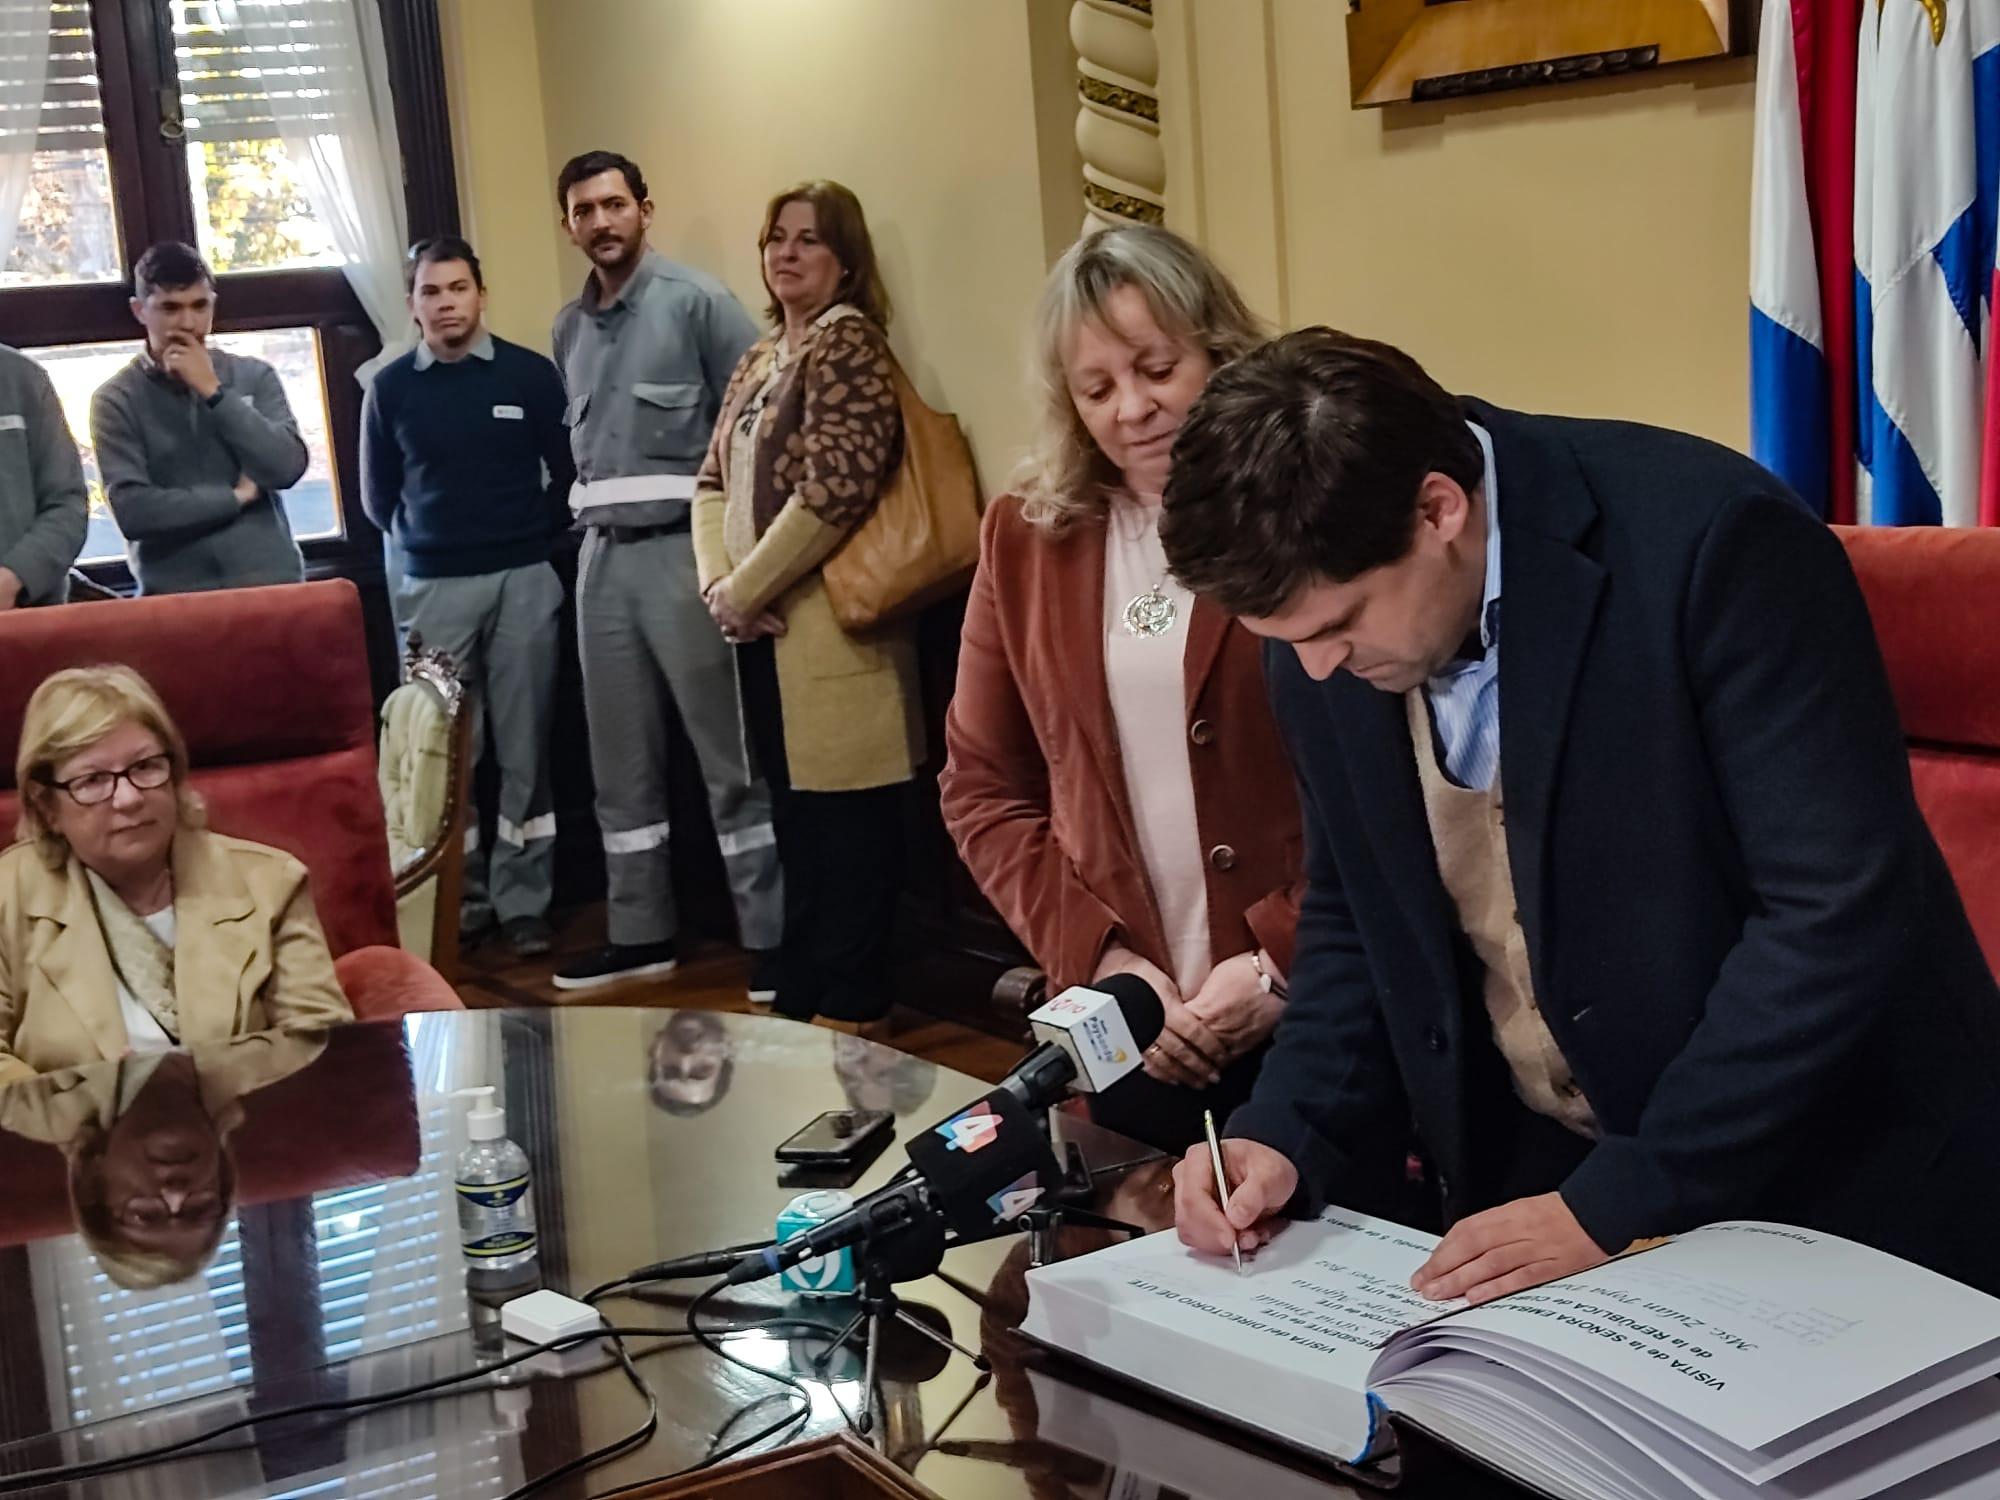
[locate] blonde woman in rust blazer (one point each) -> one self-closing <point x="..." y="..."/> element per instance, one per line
<point x="1115" y="783"/>
<point x="809" y="434"/>
<point x="125" y="925"/>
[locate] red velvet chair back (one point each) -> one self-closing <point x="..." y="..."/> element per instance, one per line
<point x="270" y="688"/>
<point x="1934" y="595"/>
<point x="348" y="1117"/>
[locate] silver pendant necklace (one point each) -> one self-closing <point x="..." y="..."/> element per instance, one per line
<point x="1149" y="614"/>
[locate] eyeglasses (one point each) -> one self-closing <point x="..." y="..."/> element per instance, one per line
<point x="94" y="787"/>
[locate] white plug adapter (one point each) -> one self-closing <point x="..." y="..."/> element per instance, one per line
<point x="543" y="1317"/>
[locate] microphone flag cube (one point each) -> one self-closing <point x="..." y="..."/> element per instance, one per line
<point x="1090" y="1026"/>
<point x="817" y="1275"/>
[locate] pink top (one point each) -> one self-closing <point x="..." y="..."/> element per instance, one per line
<point x="1146" y="679"/>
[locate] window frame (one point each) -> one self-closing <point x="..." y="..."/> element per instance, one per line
<point x="138" y="85"/>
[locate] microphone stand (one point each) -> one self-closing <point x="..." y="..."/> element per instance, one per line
<point x="1068" y="1204"/>
<point x="906" y="1254"/>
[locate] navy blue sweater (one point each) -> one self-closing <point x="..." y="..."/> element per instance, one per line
<point x="452" y="459"/>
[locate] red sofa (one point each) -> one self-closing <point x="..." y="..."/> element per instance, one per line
<point x="1934" y="595"/>
<point x="270" y="688"/>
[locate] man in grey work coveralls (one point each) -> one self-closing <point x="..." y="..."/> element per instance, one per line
<point x="195" y="444"/>
<point x="43" y="504"/>
<point x="456" y="437"/>
<point x="645" y="353"/>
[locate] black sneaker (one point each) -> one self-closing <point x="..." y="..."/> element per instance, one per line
<point x="527" y="937"/>
<point x="476" y="924"/>
<point x="617" y="962"/>
<point x="763" y="975"/>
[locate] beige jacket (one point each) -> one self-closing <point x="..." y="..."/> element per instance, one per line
<point x="828" y="442"/>
<point x="248" y="954"/>
<point x="59" y="1107"/>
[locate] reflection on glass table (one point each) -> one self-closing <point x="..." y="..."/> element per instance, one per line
<point x="338" y="1276"/>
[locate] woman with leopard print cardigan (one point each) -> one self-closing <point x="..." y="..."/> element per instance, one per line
<point x="809" y="434"/>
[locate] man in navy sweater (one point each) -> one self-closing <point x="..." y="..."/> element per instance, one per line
<point x="465" y="462"/>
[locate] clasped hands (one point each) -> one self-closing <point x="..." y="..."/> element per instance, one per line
<point x="1231" y="1014"/>
<point x="1486" y="1255"/>
<point x="738" y="626"/>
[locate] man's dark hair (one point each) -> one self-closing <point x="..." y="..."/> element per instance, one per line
<point x="593" y="163"/>
<point x="435" y="251"/>
<point x="1302" y="461"/>
<point x="168" y="267"/>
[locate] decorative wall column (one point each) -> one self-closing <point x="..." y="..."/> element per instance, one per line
<point x="1118" y="122"/>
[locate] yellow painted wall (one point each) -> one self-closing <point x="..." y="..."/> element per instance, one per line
<point x="1584" y="250"/>
<point x="505" y="186"/>
<point x="926" y="109"/>
<point x="1581" y="250"/>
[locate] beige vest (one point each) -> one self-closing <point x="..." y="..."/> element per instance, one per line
<point x="1469" y="832"/>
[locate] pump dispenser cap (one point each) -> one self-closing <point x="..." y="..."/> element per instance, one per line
<point x="484" y="1121"/>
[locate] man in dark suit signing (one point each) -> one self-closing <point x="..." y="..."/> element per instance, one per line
<point x="1618" y="889"/>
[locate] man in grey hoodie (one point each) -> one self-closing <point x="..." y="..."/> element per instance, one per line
<point x="195" y="444"/>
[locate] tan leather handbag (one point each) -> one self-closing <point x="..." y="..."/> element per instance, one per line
<point x="921" y="542"/>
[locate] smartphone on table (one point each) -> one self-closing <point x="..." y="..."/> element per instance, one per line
<point x="839" y="1138"/>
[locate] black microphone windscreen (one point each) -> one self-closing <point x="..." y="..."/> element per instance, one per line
<point x="988" y="1163"/>
<point x="1138" y="1002"/>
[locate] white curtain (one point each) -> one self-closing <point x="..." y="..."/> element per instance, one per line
<point x="25" y="26"/>
<point x="325" y="70"/>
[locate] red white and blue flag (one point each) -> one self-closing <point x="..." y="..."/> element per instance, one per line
<point x="1876" y="180"/>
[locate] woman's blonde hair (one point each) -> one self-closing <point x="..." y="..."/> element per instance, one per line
<point x="71" y="711"/>
<point x="1066" y="478"/>
<point x="136" y="1269"/>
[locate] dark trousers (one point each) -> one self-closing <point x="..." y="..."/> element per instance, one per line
<point x="842" y="855"/>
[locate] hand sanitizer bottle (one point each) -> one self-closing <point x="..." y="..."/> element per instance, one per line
<point x="496" y="1214"/>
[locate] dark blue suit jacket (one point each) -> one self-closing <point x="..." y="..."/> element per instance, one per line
<point x="1742" y="933"/>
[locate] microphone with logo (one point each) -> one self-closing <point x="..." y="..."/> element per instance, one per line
<point x="979" y="1173"/>
<point x="986" y="1166"/>
<point x="1103" y="1028"/>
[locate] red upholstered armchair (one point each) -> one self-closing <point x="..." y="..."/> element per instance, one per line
<point x="1934" y="595"/>
<point x="270" y="688"/>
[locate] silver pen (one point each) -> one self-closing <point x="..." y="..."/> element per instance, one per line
<point x="1221" y="1183"/>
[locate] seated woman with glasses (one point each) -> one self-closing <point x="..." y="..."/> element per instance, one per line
<point x="125" y="925"/>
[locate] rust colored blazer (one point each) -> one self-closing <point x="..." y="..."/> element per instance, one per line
<point x="1034" y="788"/>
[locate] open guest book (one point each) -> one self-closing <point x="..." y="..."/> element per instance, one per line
<point x="1740" y="1361"/>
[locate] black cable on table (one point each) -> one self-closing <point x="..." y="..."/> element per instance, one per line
<point x="639" y="1435"/>
<point x="668" y="1270"/>
<point x="90" y="1468"/>
<point x="791" y="1419"/>
<point x="355" y="1405"/>
<point x="645" y="1432"/>
<point x="702" y="1337"/>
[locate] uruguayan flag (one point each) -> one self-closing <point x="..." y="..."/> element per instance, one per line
<point x="1927" y="152"/>
<point x="1788" y="367"/>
